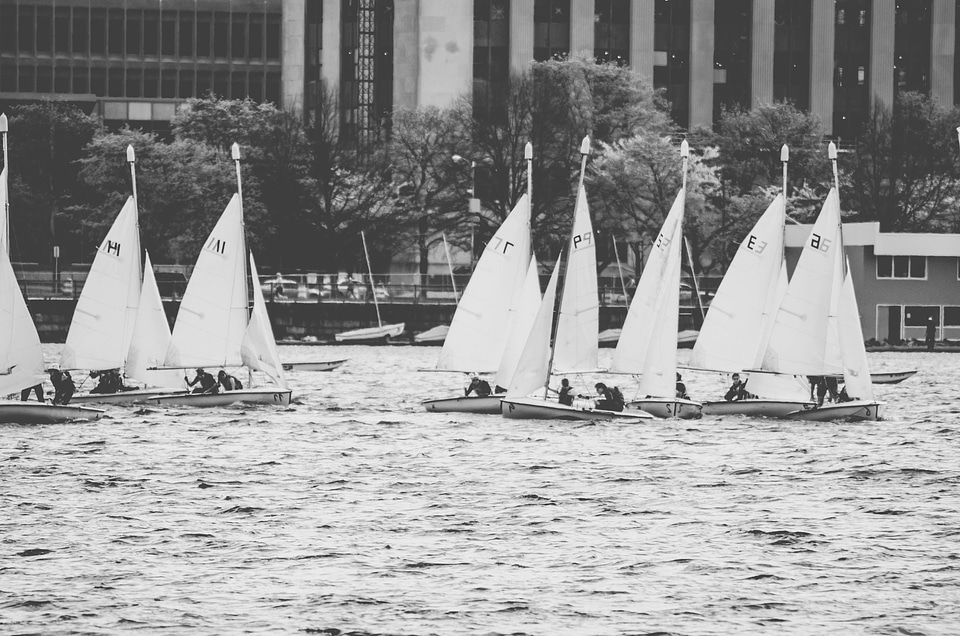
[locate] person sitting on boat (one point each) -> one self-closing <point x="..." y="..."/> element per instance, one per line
<point x="607" y="399"/>
<point x="478" y="386"/>
<point x="227" y="382"/>
<point x="110" y="382"/>
<point x="831" y="383"/>
<point x="843" y="396"/>
<point x="208" y="384"/>
<point x="737" y="390"/>
<point x="36" y="388"/>
<point x="565" y="393"/>
<point x="681" y="388"/>
<point x="63" y="386"/>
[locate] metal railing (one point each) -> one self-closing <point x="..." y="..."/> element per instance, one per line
<point x="314" y="288"/>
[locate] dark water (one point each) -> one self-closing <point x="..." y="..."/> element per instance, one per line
<point x="355" y="512"/>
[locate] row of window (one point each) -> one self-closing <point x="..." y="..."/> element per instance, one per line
<point x="943" y="315"/>
<point x="180" y="83"/>
<point x="82" y="31"/>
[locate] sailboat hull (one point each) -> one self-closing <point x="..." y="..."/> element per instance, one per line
<point x="860" y="410"/>
<point x="755" y="407"/>
<point x="891" y="377"/>
<point x="371" y="334"/>
<point x="123" y="397"/>
<point x="537" y="409"/>
<point x="275" y="396"/>
<point x="36" y="413"/>
<point x="668" y="407"/>
<point x="489" y="405"/>
<point x="323" y="365"/>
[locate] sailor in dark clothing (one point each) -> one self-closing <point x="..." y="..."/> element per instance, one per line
<point x="227" y="382"/>
<point x="208" y="384"/>
<point x="681" y="388"/>
<point x="608" y="400"/>
<point x="737" y="390"/>
<point x="478" y="386"/>
<point x="566" y="392"/>
<point x="63" y="384"/>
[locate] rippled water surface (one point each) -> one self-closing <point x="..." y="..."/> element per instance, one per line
<point x="355" y="512"/>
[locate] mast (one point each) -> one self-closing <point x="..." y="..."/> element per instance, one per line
<point x="235" y="154"/>
<point x="784" y="159"/>
<point x="373" y="288"/>
<point x="528" y="156"/>
<point x="832" y="154"/>
<point x="4" y="126"/>
<point x="685" y="158"/>
<point x="623" y="285"/>
<point x="132" y="160"/>
<point x="584" y="153"/>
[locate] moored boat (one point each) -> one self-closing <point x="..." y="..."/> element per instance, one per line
<point x="319" y="365"/>
<point x="371" y="335"/>
<point x="891" y="377"/>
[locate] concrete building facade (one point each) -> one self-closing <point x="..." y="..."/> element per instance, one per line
<point x="835" y="58"/>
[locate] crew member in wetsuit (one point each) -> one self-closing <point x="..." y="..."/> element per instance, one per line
<point x="566" y="393"/>
<point x="478" y="386"/>
<point x="63" y="385"/>
<point x="208" y="384"/>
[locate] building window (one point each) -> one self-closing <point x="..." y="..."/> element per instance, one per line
<point x="611" y="31"/>
<point x="551" y="29"/>
<point x="221" y="26"/>
<point x="671" y="51"/>
<point x="914" y="267"/>
<point x="61" y="33"/>
<point x="919" y="315"/>
<point x="911" y="46"/>
<point x="25" y="26"/>
<point x="851" y="95"/>
<point x="8" y="29"/>
<point x="491" y="42"/>
<point x="115" y="42"/>
<point x="81" y="25"/>
<point x="731" y="56"/>
<point x="791" y="52"/>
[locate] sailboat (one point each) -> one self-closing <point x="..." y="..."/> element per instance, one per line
<point x="371" y="335"/>
<point x="215" y="327"/>
<point x="21" y="354"/>
<point x="317" y="365"/>
<point x="817" y="327"/>
<point x="437" y="335"/>
<point x="102" y="329"/>
<point x="574" y="350"/>
<point x="648" y="342"/>
<point x="734" y="334"/>
<point x="496" y="310"/>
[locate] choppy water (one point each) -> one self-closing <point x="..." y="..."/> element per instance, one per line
<point x="356" y="512"/>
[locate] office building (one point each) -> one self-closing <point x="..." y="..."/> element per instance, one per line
<point x="136" y="60"/>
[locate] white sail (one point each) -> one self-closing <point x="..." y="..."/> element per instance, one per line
<point x="103" y="320"/>
<point x="578" y="327"/>
<point x="533" y="367"/>
<point x="631" y="353"/>
<point x="733" y="332"/>
<point x="151" y="337"/>
<point x="481" y="325"/>
<point x="523" y="318"/>
<point x="259" y="348"/>
<point x="799" y="341"/>
<point x="856" y="371"/>
<point x="660" y="363"/>
<point x="213" y="313"/>
<point x="21" y="356"/>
